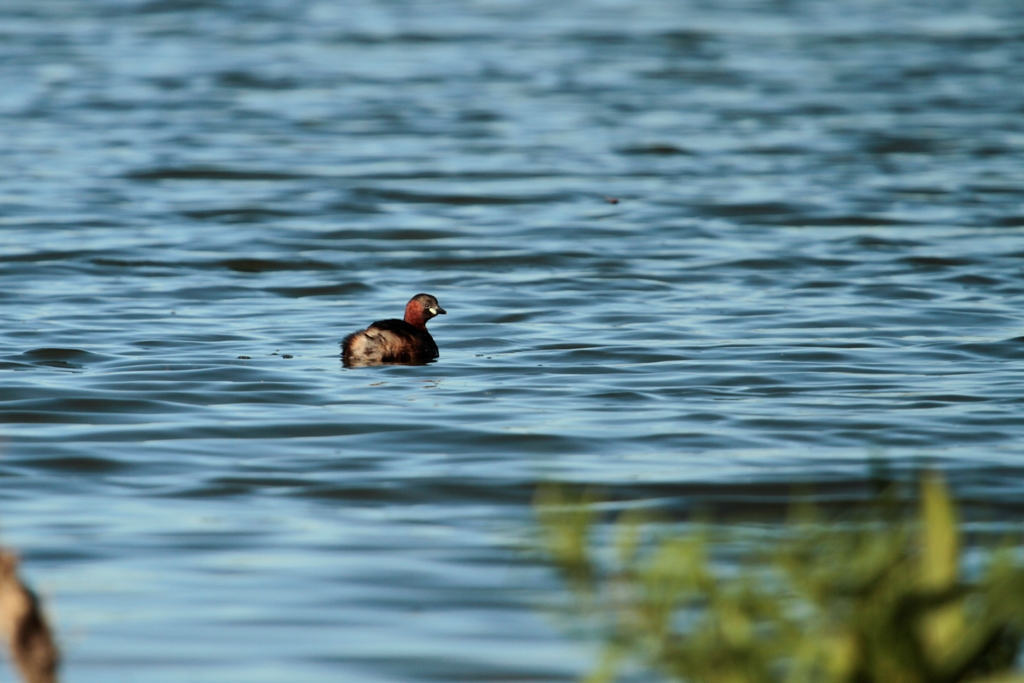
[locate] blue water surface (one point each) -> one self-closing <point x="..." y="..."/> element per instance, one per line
<point x="692" y="252"/>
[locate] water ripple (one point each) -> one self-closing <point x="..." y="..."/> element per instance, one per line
<point x="694" y="255"/>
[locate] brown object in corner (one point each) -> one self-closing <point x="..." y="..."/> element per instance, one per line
<point x="30" y="644"/>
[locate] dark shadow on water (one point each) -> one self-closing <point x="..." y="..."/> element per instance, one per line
<point x="351" y="364"/>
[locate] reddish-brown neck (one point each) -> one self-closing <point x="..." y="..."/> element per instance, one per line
<point x="415" y="315"/>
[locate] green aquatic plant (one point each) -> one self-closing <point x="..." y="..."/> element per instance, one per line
<point x="877" y="599"/>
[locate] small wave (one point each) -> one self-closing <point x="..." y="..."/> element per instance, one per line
<point x="77" y="464"/>
<point x="901" y="144"/>
<point x="211" y="173"/>
<point x="654" y="150"/>
<point x="252" y="81"/>
<point x="57" y="358"/>
<point x="256" y="265"/>
<point x="238" y="215"/>
<point x="457" y="199"/>
<point x="336" y="290"/>
<point x="750" y="210"/>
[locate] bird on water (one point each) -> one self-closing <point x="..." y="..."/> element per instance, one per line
<point x="405" y="342"/>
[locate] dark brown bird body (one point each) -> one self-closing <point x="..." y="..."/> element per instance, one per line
<point x="405" y="342"/>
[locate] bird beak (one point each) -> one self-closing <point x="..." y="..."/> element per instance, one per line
<point x="436" y="310"/>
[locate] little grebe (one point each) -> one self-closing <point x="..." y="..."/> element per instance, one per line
<point x="395" y="341"/>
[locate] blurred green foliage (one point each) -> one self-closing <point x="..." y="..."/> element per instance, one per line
<point x="880" y="599"/>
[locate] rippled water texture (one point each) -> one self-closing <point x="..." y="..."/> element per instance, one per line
<point x="815" y="259"/>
